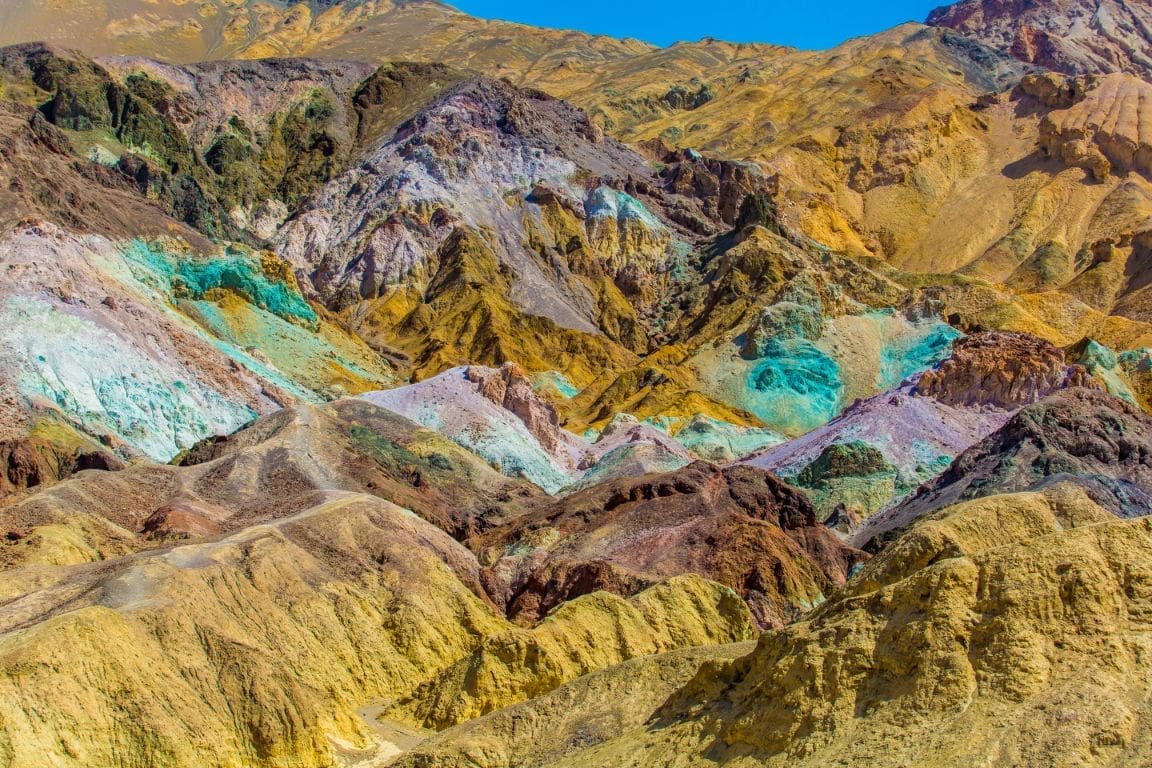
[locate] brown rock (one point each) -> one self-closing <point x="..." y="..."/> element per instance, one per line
<point x="509" y="388"/>
<point x="184" y="518"/>
<point x="1054" y="90"/>
<point x="31" y="462"/>
<point x="740" y="526"/>
<point x="1005" y="370"/>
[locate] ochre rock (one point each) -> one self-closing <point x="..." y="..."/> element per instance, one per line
<point x="588" y="710"/>
<point x="1106" y="130"/>
<point x="1009" y="631"/>
<point x="1005" y="370"/>
<point x="591" y="632"/>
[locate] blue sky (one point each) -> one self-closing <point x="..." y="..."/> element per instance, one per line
<point x="811" y="24"/>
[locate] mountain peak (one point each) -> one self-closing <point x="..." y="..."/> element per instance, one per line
<point x="1072" y="36"/>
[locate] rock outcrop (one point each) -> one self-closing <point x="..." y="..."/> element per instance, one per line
<point x="738" y="526"/>
<point x="849" y="482"/>
<point x="1003" y="370"/>
<point x="589" y="710"/>
<point x="591" y="632"/>
<point x="1107" y="131"/>
<point x="33" y="462"/>
<point x="510" y="389"/>
<point x="1073" y="36"/>
<point x="41" y="177"/>
<point x="1078" y="435"/>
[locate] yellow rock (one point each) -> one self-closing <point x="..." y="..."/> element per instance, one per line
<point x="250" y="651"/>
<point x="585" y="634"/>
<point x="1009" y="631"/>
<point x="587" y="710"/>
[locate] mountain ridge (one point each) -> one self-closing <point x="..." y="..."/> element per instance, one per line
<point x="456" y="392"/>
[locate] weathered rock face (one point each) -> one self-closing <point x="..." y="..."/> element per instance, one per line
<point x="510" y="389"/>
<point x="588" y="633"/>
<point x="149" y="347"/>
<point x="588" y="710"/>
<point x="730" y="192"/>
<point x="581" y="227"/>
<point x="495" y="414"/>
<point x="944" y="651"/>
<point x="1105" y="130"/>
<point x="41" y="177"/>
<point x="441" y="170"/>
<point x="783" y="321"/>
<point x="1074" y="36"/>
<point x="1057" y="91"/>
<point x="1081" y="435"/>
<point x="738" y="526"/>
<point x="228" y="147"/>
<point x="32" y="462"/>
<point x="1004" y="370"/>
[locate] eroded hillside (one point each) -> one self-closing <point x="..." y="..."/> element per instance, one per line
<point x="386" y="386"/>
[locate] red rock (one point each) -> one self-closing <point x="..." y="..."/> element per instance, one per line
<point x="740" y="526"/>
<point x="31" y="462"/>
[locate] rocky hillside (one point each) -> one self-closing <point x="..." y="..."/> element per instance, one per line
<point x="1071" y="36"/>
<point x="738" y="526"/>
<point x="1077" y="436"/>
<point x="944" y="652"/>
<point x="299" y="515"/>
<point x="380" y="385"/>
<point x="891" y="145"/>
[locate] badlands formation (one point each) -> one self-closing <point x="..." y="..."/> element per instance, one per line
<point x="384" y="386"/>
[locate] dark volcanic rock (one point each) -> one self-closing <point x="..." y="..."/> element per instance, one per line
<point x="226" y="142"/>
<point x="1080" y="435"/>
<point x="839" y="460"/>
